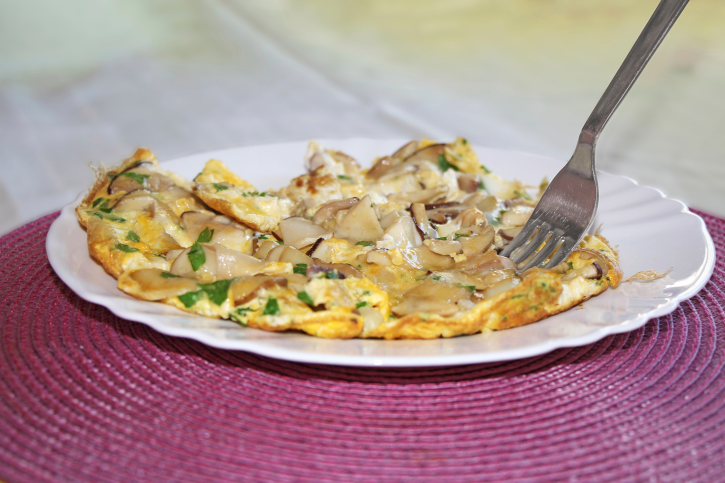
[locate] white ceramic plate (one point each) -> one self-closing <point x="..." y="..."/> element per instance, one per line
<point x="650" y="230"/>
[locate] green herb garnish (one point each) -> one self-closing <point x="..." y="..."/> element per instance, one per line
<point x="262" y="237"/>
<point x="332" y="274"/>
<point x="217" y="291"/>
<point x="98" y="201"/>
<point x="139" y="178"/>
<point x="168" y="275"/>
<point x="132" y="236"/>
<point x="125" y="248"/>
<point x="300" y="268"/>
<point x="205" y="236"/>
<point x="305" y="297"/>
<point x="459" y="235"/>
<point x="360" y="304"/>
<point x="190" y="298"/>
<point x="272" y="307"/>
<point x="346" y="178"/>
<point x="521" y="194"/>
<point x="485" y="169"/>
<point x="472" y="288"/>
<point x="219" y="187"/>
<point x="444" y="165"/>
<point x="197" y="257"/>
<point x="365" y="243"/>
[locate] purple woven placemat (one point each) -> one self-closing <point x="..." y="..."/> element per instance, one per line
<point x="87" y="396"/>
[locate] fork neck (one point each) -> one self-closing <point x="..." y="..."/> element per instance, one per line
<point x="582" y="161"/>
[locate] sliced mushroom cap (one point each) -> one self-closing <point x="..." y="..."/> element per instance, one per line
<point x="403" y="233"/>
<point x="486" y="262"/>
<point x="343" y="269"/>
<point x="150" y="284"/>
<point x="406" y="150"/>
<point x="470" y="217"/>
<point x="517" y="216"/>
<point x="245" y="289"/>
<point x="475" y="244"/>
<point x="223" y="230"/>
<point x="444" y="247"/>
<point x="429" y="195"/>
<point x="481" y="200"/>
<point x="432" y="297"/>
<point x="231" y="263"/>
<point x="135" y="200"/>
<point x="329" y="210"/>
<point x="380" y="167"/>
<point x="264" y="248"/>
<point x="429" y="153"/>
<point x="468" y="183"/>
<point x="360" y="223"/>
<point x="424" y="258"/>
<point x="300" y="232"/>
<point x="500" y="287"/>
<point x="378" y="257"/>
<point x="421" y="219"/>
<point x="509" y="234"/>
<point x="143" y="175"/>
<point x="283" y="253"/>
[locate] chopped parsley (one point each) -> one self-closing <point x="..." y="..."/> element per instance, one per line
<point x="300" y="268"/>
<point x="272" y="307"/>
<point x="217" y="291"/>
<point x="255" y="193"/>
<point x="132" y="236"/>
<point x="205" y="236"/>
<point x="280" y="242"/>
<point x="168" y="275"/>
<point x="305" y="297"/>
<point x="571" y="266"/>
<point x="481" y="186"/>
<point x="365" y="243"/>
<point x="262" y="237"/>
<point x="472" y="288"/>
<point x="197" y="257"/>
<point x="139" y="178"/>
<point x="485" y="169"/>
<point x="124" y="248"/>
<point x="98" y="201"/>
<point x="442" y="238"/>
<point x="190" y="298"/>
<point x="437" y="277"/>
<point x="344" y="177"/>
<point x="444" y="165"/>
<point x="459" y="235"/>
<point x="521" y="194"/>
<point x="220" y="187"/>
<point x="332" y="274"/>
<point x="360" y="304"/>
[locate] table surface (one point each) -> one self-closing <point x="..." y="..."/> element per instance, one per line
<point x="87" y="82"/>
<point x="87" y="396"/>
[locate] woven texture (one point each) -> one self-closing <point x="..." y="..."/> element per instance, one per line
<point x="86" y="396"/>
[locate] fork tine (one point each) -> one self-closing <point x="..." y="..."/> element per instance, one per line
<point x="563" y="251"/>
<point x="536" y="241"/>
<point x="546" y="250"/>
<point x="526" y="232"/>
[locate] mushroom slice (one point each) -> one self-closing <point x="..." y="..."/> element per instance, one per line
<point x="329" y="210"/>
<point x="231" y="263"/>
<point x="403" y="233"/>
<point x="283" y="253"/>
<point x="223" y="230"/>
<point x="421" y="218"/>
<point x="348" y="271"/>
<point x="475" y="244"/>
<point x="300" y="232"/>
<point x="517" y="216"/>
<point x="444" y="247"/>
<point x="421" y="196"/>
<point x="481" y="200"/>
<point x="245" y="289"/>
<point x="460" y="279"/>
<point x="380" y="167"/>
<point x="135" y="200"/>
<point x="509" y="234"/>
<point x="468" y="183"/>
<point x="486" y="262"/>
<point x="154" y="284"/>
<point x="424" y="258"/>
<point x="406" y="150"/>
<point x="141" y="175"/>
<point x="430" y="153"/>
<point x="378" y="257"/>
<point x="500" y="287"/>
<point x="360" y="223"/>
<point x="432" y="297"/>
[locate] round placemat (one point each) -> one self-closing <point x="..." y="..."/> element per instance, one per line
<point x="87" y="396"/>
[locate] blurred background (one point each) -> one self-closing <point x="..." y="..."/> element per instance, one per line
<point x="85" y="81"/>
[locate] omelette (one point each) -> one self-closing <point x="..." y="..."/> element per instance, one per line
<point x="405" y="249"/>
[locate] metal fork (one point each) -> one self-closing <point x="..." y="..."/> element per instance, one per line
<point x="567" y="208"/>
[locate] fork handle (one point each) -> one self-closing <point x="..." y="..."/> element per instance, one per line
<point x="659" y="24"/>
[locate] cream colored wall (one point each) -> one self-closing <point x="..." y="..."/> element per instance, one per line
<point x="84" y="80"/>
